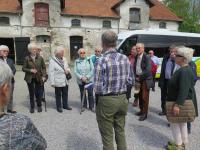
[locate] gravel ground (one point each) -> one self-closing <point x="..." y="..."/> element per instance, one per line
<point x="71" y="131"/>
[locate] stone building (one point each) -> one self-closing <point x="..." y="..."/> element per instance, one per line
<point x="75" y="23"/>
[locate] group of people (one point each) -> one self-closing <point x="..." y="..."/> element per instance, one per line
<point x="113" y="75"/>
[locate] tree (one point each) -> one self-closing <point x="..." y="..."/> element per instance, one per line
<point x="189" y="11"/>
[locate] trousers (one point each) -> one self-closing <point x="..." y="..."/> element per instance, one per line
<point x="110" y="114"/>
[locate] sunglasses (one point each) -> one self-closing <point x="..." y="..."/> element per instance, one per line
<point x="97" y="51"/>
<point x="82" y="52"/>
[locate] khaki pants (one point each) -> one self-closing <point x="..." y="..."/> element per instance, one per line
<point x="110" y="113"/>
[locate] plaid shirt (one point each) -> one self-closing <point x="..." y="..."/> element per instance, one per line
<point x="112" y="73"/>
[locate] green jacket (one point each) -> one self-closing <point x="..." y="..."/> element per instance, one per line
<point x="181" y="87"/>
<point x="39" y="65"/>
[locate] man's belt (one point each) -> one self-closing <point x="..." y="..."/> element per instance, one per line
<point x="112" y="94"/>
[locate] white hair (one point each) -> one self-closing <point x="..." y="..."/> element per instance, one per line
<point x="81" y="49"/>
<point x="31" y="46"/>
<point x="5" y="73"/>
<point x="3" y="47"/>
<point x="186" y="52"/>
<point x="58" y="50"/>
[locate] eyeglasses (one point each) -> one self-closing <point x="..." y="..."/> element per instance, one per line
<point x="97" y="51"/>
<point x="5" y="51"/>
<point x="178" y="55"/>
<point x="82" y="52"/>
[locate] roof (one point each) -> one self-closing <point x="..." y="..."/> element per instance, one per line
<point x="10" y="6"/>
<point x="95" y="8"/>
<point x="159" y="11"/>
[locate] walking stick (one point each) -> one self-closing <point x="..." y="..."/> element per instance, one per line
<point x="82" y="100"/>
<point x="44" y="100"/>
<point x="86" y="87"/>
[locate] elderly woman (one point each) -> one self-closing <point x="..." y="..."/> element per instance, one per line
<point x="180" y="88"/>
<point x="35" y="75"/>
<point x="17" y="131"/>
<point x="97" y="55"/>
<point x="83" y="69"/>
<point x="58" y="68"/>
<point x="4" y="50"/>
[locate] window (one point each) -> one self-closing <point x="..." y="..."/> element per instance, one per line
<point x="41" y="14"/>
<point x="162" y="25"/>
<point x="106" y="24"/>
<point x="134" y="15"/>
<point x="43" y="38"/>
<point x="4" y="21"/>
<point x="76" y="23"/>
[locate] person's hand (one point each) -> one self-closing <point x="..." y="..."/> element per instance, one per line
<point x="43" y="79"/>
<point x="176" y="110"/>
<point x="84" y="79"/>
<point x="67" y="71"/>
<point x="34" y="71"/>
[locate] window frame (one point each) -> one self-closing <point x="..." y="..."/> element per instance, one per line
<point x="5" y="22"/>
<point x="107" y="24"/>
<point x="162" y="25"/>
<point x="132" y="18"/>
<point x="75" y="24"/>
<point x="44" y="22"/>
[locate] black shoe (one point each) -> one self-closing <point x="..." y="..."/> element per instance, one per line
<point x="11" y="111"/>
<point x="83" y="109"/>
<point x="138" y="113"/>
<point x="32" y="110"/>
<point x="143" y="117"/>
<point x="92" y="109"/>
<point x="162" y="113"/>
<point x="67" y="108"/>
<point x="59" y="110"/>
<point x="40" y="109"/>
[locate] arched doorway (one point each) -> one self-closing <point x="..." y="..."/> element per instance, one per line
<point x="76" y="42"/>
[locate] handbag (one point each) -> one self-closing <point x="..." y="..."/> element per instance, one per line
<point x="187" y="112"/>
<point x="68" y="76"/>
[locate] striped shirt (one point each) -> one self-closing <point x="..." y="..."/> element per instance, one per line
<point x="112" y="73"/>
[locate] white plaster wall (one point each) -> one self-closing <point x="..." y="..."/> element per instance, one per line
<point x="124" y="13"/>
<point x="171" y="25"/>
<point x="88" y="22"/>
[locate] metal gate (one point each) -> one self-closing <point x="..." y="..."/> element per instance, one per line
<point x="76" y="42"/>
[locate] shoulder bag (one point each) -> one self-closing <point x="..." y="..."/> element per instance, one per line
<point x="186" y="114"/>
<point x="68" y="76"/>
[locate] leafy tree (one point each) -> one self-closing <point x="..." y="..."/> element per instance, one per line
<point x="188" y="11"/>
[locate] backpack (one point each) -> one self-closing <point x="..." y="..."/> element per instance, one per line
<point x="153" y="68"/>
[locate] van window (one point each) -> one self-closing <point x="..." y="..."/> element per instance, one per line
<point x="127" y="45"/>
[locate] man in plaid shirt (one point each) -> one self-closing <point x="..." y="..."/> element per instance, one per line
<point x="112" y="74"/>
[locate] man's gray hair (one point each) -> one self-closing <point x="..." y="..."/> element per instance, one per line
<point x="59" y="49"/>
<point x="5" y="73"/>
<point x="2" y="47"/>
<point x="186" y="52"/>
<point x="31" y="46"/>
<point x="109" y="39"/>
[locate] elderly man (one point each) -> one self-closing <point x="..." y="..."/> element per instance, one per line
<point x="142" y="70"/>
<point x="111" y="75"/>
<point x="4" y="50"/>
<point x="168" y="67"/>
